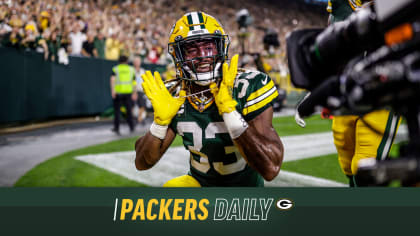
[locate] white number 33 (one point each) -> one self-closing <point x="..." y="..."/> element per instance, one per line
<point x="210" y="132"/>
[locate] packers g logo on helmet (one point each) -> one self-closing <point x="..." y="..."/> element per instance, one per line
<point x="358" y="4"/>
<point x="196" y="26"/>
<point x="355" y="4"/>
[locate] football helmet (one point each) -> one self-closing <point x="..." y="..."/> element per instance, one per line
<point x="359" y="4"/>
<point x="195" y="27"/>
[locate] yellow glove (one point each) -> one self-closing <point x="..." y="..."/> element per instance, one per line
<point x="164" y="105"/>
<point x="223" y="95"/>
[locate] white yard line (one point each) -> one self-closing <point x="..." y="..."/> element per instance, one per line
<point x="307" y="146"/>
<point x="175" y="162"/>
<point x="285" y="112"/>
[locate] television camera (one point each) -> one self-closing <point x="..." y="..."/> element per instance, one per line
<point x="367" y="62"/>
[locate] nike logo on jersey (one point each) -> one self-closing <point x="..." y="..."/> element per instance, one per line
<point x="181" y="110"/>
<point x="264" y="82"/>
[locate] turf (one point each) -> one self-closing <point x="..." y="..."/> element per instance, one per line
<point x="286" y="126"/>
<point x="326" y="167"/>
<point x="65" y="171"/>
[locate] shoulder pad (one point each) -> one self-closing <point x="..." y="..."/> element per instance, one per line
<point x="254" y="92"/>
<point x="250" y="74"/>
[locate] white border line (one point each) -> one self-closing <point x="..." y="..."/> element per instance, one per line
<point x="115" y="210"/>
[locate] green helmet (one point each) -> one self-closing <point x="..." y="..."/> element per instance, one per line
<point x="340" y="9"/>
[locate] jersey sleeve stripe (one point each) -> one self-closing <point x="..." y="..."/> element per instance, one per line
<point x="264" y="101"/>
<point x="261" y="94"/>
<point x="260" y="91"/>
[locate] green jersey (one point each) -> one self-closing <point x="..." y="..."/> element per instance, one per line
<point x="214" y="159"/>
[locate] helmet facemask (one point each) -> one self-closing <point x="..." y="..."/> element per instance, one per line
<point x="197" y="69"/>
<point x="189" y="67"/>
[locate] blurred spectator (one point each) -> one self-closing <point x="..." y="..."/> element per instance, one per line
<point x="140" y="27"/>
<point x="77" y="38"/>
<point x="112" y="47"/>
<point x="153" y="56"/>
<point x="54" y="44"/>
<point x="99" y="44"/>
<point x="124" y="44"/>
<point x="44" y="20"/>
<point x="13" y="38"/>
<point x="31" y="39"/>
<point x="15" y="21"/>
<point x="4" y="12"/>
<point x="4" y="28"/>
<point x="65" y="41"/>
<point x="88" y="48"/>
<point x="141" y="49"/>
<point x="141" y="98"/>
<point x="41" y="43"/>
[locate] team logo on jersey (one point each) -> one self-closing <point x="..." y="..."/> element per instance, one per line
<point x="181" y="110"/>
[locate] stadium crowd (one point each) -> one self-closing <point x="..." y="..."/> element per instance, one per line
<point x="107" y="29"/>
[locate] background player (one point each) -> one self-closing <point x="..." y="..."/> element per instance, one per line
<point x="357" y="137"/>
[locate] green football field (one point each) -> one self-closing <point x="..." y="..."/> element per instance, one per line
<point x="65" y="171"/>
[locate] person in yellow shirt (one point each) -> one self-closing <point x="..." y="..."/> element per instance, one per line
<point x="44" y="20"/>
<point x="112" y="48"/>
<point x="15" y="21"/>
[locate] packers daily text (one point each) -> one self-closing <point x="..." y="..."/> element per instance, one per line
<point x="173" y="209"/>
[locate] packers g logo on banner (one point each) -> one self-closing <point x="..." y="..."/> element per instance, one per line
<point x="284" y="204"/>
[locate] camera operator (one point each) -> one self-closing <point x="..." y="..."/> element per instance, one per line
<point x="244" y="19"/>
<point x="367" y="62"/>
<point x="269" y="62"/>
<point x="355" y="137"/>
<point x="271" y="40"/>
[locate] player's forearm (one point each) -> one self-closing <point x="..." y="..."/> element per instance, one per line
<point x="148" y="151"/>
<point x="257" y="141"/>
<point x="262" y="152"/>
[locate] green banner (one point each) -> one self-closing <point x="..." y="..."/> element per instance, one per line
<point x="34" y="89"/>
<point x="209" y="211"/>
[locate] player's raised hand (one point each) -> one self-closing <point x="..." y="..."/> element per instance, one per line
<point x="164" y="105"/>
<point x="223" y="95"/>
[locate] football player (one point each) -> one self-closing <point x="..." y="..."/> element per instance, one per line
<point x="223" y="114"/>
<point x="370" y="136"/>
